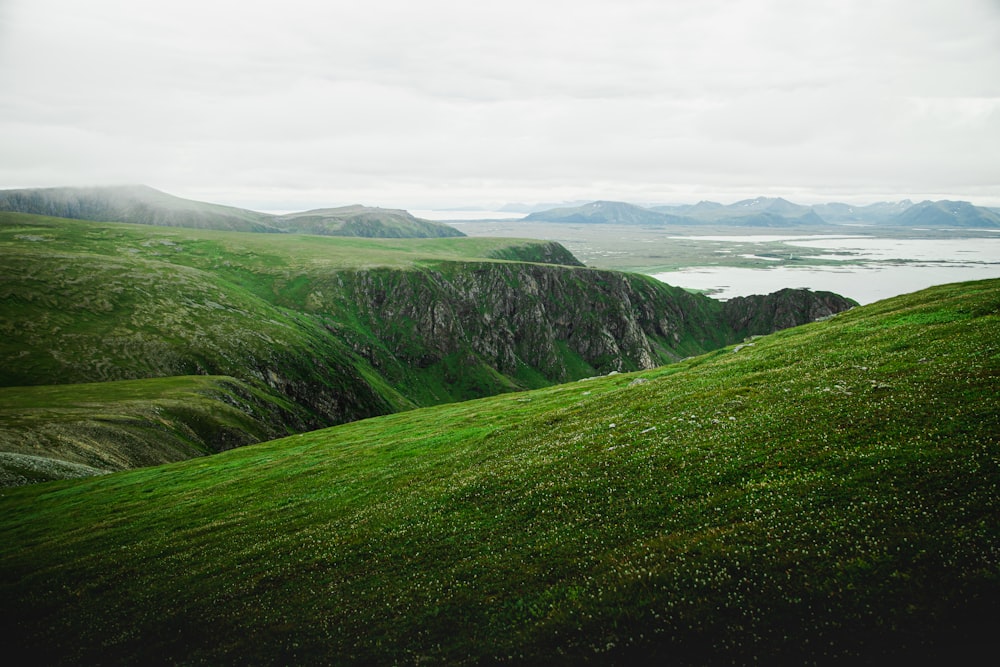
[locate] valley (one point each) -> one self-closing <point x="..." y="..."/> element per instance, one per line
<point x="267" y="447"/>
<point x="827" y="493"/>
<point x="318" y="330"/>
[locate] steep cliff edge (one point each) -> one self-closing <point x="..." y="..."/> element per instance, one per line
<point x="340" y="330"/>
<point x="459" y="330"/>
<point x="762" y="314"/>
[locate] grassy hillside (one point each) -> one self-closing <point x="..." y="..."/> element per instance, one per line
<point x="338" y="328"/>
<point x="366" y="221"/>
<point x="207" y="248"/>
<point x="828" y="493"/>
<point x="133" y="203"/>
<point x="86" y="302"/>
<point x="140" y="204"/>
<point x="75" y="430"/>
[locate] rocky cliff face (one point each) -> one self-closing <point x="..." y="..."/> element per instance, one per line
<point x="511" y="315"/>
<point x="516" y="325"/>
<point x="330" y="346"/>
<point x="762" y="314"/>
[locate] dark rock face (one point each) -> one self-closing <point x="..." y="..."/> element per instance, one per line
<point x="763" y="314"/>
<point x="507" y="315"/>
<point x="561" y="323"/>
<point x="330" y="347"/>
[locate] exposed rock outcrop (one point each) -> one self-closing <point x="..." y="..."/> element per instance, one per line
<point x="315" y="346"/>
<point x="520" y="321"/>
<point x="763" y="314"/>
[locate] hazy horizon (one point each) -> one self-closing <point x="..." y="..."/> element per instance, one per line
<point x="447" y="211"/>
<point x="442" y="104"/>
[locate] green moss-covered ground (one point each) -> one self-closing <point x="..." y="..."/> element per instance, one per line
<point x="829" y="493"/>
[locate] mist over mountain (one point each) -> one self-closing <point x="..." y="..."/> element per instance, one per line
<point x="140" y="204"/>
<point x="137" y="204"/>
<point x="143" y="205"/>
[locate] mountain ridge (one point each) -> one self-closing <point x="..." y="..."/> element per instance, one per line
<point x="778" y="212"/>
<point x="141" y="204"/>
<point x="947" y="212"/>
<point x="608" y="212"/>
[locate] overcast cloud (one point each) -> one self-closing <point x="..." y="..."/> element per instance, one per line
<point x="296" y="104"/>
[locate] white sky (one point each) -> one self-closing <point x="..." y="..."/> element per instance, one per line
<point x="420" y="104"/>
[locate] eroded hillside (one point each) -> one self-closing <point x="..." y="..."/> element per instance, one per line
<point x="827" y="495"/>
<point x="342" y="329"/>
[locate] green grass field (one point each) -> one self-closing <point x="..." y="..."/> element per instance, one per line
<point x="205" y="248"/>
<point x="343" y="328"/>
<point x="107" y="426"/>
<point x="88" y="302"/>
<point x="830" y="493"/>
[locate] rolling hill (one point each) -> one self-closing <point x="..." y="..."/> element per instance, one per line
<point x="364" y="221"/>
<point x="140" y="204"/>
<point x="826" y="494"/>
<point x="604" y="212"/>
<point x="312" y="330"/>
<point x="78" y="430"/>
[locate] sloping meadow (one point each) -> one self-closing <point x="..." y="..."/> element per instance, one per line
<point x="830" y="492"/>
<point x="315" y="330"/>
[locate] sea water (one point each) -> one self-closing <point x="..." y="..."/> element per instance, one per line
<point x="868" y="269"/>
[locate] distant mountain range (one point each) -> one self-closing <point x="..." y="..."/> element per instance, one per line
<point x="759" y="212"/>
<point x="606" y="212"/>
<point x="950" y="213"/>
<point x="140" y="204"/>
<point x="778" y="212"/>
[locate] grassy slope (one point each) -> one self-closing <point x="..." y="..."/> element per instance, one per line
<point x="144" y="205"/>
<point x="829" y="491"/>
<point x="132" y="423"/>
<point x="91" y="301"/>
<point x="85" y="302"/>
<point x="205" y="248"/>
<point x="363" y="221"/>
<point x="88" y="301"/>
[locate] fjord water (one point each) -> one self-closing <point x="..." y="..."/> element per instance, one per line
<point x="867" y="269"/>
<point x="857" y="262"/>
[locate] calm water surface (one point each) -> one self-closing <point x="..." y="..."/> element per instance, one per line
<point x="866" y="267"/>
<point x="871" y="269"/>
